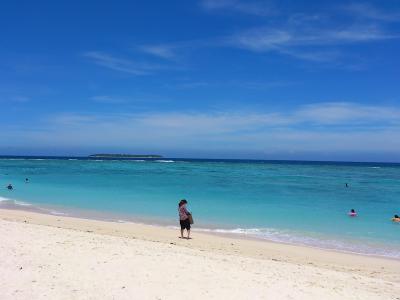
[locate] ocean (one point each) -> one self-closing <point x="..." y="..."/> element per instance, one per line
<point x="292" y="202"/>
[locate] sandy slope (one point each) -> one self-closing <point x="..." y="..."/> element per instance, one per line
<point x="86" y="259"/>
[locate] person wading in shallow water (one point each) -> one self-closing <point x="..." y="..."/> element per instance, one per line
<point x="184" y="218"/>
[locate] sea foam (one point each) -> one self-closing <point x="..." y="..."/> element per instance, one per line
<point x="286" y="237"/>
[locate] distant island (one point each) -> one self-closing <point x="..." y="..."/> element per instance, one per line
<point x="125" y="156"/>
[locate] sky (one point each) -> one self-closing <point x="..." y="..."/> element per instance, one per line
<point x="312" y="80"/>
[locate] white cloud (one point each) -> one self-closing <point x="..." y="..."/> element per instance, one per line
<point x="108" y="99"/>
<point x="162" y="51"/>
<point x="368" y="11"/>
<point x="120" y="64"/>
<point x="317" y="37"/>
<point x="267" y="39"/>
<point x="257" y="8"/>
<point x="310" y="37"/>
<point x="171" y="51"/>
<point x="318" y="127"/>
<point x="349" y="114"/>
<point x="311" y="42"/>
<point x="20" y="99"/>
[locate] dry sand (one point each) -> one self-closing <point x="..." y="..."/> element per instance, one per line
<point x="53" y="257"/>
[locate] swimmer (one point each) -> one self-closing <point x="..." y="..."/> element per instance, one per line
<point x="396" y="219"/>
<point x="9" y="186"/>
<point x="26" y="180"/>
<point x="352" y="213"/>
<point x="346" y="184"/>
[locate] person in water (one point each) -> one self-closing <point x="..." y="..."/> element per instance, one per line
<point x="9" y="186"/>
<point x="184" y="218"/>
<point x="26" y="180"/>
<point x="347" y="185"/>
<point x="396" y="219"/>
<point x="352" y="213"/>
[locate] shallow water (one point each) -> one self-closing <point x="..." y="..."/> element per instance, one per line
<point x="294" y="202"/>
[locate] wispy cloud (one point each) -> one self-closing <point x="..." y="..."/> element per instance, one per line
<point x="108" y="99"/>
<point x="166" y="51"/>
<point x="303" y="41"/>
<point x="348" y="114"/>
<point x="368" y="11"/>
<point x="310" y="37"/>
<point x="318" y="37"/>
<point x="258" y="8"/>
<point x="265" y="39"/>
<point x="251" y="85"/>
<point x="318" y="127"/>
<point x="317" y="56"/>
<point x="307" y="42"/>
<point x="12" y="98"/>
<point x="20" y="99"/>
<point x="175" y="50"/>
<point x="334" y="114"/>
<point x="315" y="38"/>
<point x="121" y="64"/>
<point x="188" y="85"/>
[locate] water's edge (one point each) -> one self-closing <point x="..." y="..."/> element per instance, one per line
<point x="241" y="233"/>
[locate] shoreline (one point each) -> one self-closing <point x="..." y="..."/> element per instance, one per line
<point x="59" y="257"/>
<point x="249" y="246"/>
<point x="228" y="231"/>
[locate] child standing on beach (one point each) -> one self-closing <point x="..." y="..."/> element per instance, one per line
<point x="184" y="218"/>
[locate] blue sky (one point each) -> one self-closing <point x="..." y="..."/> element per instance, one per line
<point x="228" y="78"/>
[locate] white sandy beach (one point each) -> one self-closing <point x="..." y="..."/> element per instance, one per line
<point x="52" y="257"/>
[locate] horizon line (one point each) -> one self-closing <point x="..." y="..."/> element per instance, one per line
<point x="203" y="158"/>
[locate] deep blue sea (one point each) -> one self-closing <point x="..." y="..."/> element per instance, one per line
<point x="294" y="202"/>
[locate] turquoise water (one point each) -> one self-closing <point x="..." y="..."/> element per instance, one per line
<point x="294" y="202"/>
